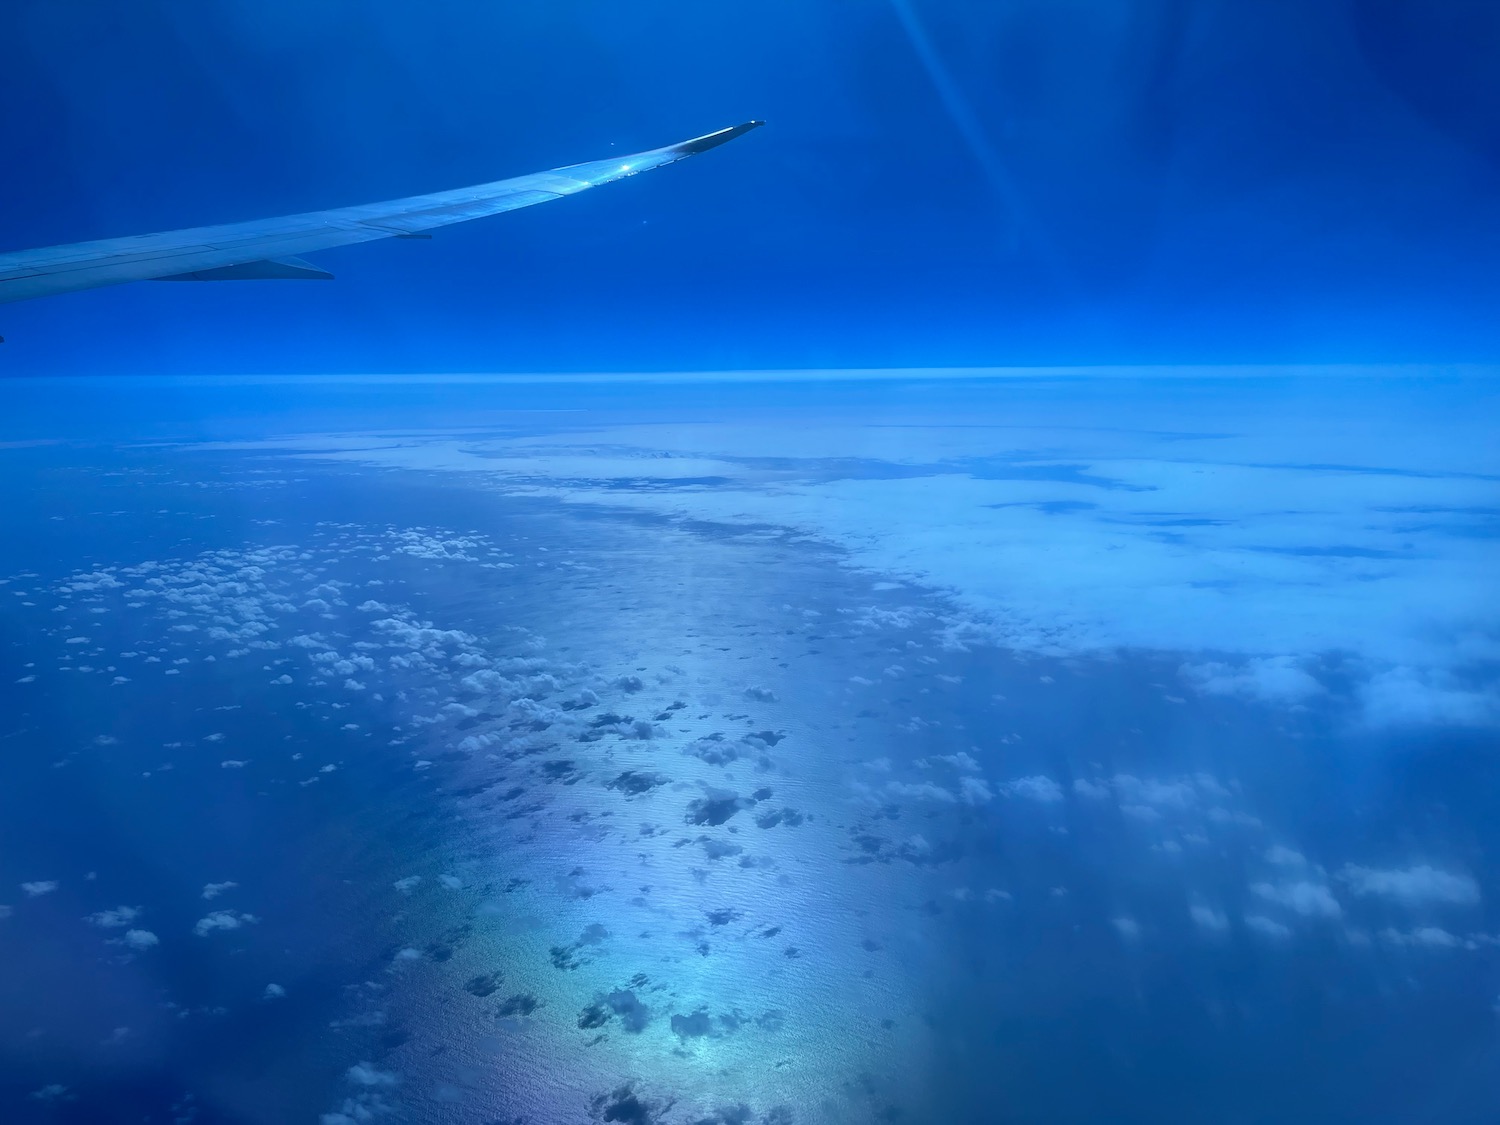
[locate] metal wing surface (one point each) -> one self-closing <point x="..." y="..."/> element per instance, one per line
<point x="270" y="248"/>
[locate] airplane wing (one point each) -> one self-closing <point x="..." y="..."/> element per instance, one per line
<point x="270" y="248"/>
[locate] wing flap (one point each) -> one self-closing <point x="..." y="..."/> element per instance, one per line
<point x="267" y="269"/>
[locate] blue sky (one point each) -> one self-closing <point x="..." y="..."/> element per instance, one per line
<point x="943" y="183"/>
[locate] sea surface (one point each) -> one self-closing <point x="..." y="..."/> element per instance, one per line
<point x="914" y="747"/>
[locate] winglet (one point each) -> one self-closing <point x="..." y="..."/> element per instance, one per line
<point x="714" y="140"/>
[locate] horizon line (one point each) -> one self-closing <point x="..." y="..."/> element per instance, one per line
<point x="807" y="375"/>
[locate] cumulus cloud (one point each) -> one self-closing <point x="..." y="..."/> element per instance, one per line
<point x="119" y="917"/>
<point x="1279" y="679"/>
<point x="1311" y="900"/>
<point x="1207" y="918"/>
<point x="368" y="1102"/>
<point x="1176" y="794"/>
<point x="1424" y="937"/>
<point x="140" y="939"/>
<point x="222" y="920"/>
<point x="1421" y="885"/>
<point x="1267" y="927"/>
<point x="367" y="1074"/>
<point x="1037" y="788"/>
<point x="1404" y="696"/>
<point x="924" y="791"/>
<point x="974" y="791"/>
<point x="39" y="887"/>
<point x="214" y="890"/>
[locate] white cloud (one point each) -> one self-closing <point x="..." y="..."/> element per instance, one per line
<point x="366" y="1074"/>
<point x="974" y="791"/>
<point x="214" y="890"/>
<point x="925" y="791"/>
<point x="117" y="918"/>
<point x="1179" y="794"/>
<point x="273" y="992"/>
<point x="222" y="920"/>
<point x="1421" y="885"/>
<point x="141" y="939"/>
<point x="1037" y="788"/>
<point x="1283" y="856"/>
<point x="1251" y="544"/>
<point x="39" y="887"/>
<point x="1128" y="928"/>
<point x="1267" y="927"/>
<point x="1311" y="900"/>
<point x="1207" y="918"/>
<point x="1406" y="696"/>
<point x="1280" y="679"/>
<point x="1425" y="937"/>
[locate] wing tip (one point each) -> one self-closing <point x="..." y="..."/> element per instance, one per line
<point x="714" y="140"/>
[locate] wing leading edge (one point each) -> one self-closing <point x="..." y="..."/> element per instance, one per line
<point x="270" y="248"/>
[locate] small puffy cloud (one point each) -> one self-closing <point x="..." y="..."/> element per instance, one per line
<point x="1311" y="900"/>
<point x="1037" y="788"/>
<point x="1412" y="697"/>
<point x="1179" y="794"/>
<point x="1275" y="679"/>
<point x="1285" y="857"/>
<point x="1207" y="918"/>
<point x="1128" y="928"/>
<point x="974" y="791"/>
<point x="1090" y="789"/>
<point x="405" y="885"/>
<point x="368" y="1103"/>
<point x="366" y="1074"/>
<point x="1267" y="927"/>
<point x="273" y="992"/>
<point x="926" y="791"/>
<point x="114" y="919"/>
<point x="39" y="887"/>
<point x="1422" y="885"/>
<point x="214" y="890"/>
<point x="451" y="882"/>
<point x="141" y="939"/>
<point x="1424" y="937"/>
<point x="222" y="920"/>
